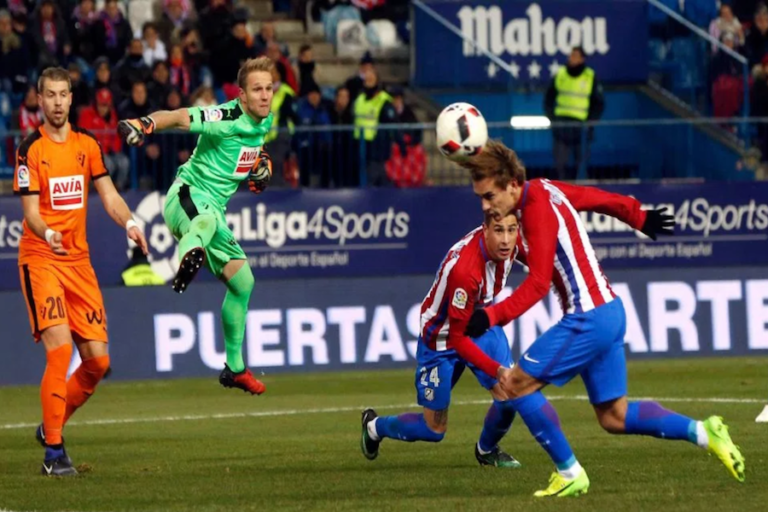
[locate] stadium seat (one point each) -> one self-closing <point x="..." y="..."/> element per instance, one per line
<point x="332" y="20"/>
<point x="382" y="34"/>
<point x="351" y="38"/>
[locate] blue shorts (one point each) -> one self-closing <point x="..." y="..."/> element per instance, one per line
<point x="589" y="344"/>
<point x="438" y="372"/>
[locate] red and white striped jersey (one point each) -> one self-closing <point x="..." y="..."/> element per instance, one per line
<point x="553" y="242"/>
<point x="467" y="279"/>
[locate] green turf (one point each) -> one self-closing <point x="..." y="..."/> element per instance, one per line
<point x="312" y="461"/>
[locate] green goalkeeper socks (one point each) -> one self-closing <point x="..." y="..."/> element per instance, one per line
<point x="233" y="313"/>
<point x="201" y="231"/>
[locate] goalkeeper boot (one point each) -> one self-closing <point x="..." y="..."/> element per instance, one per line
<point x="242" y="380"/>
<point x="40" y="436"/>
<point x="496" y="458"/>
<point x="369" y="447"/>
<point x="188" y="269"/>
<point x="561" y="487"/>
<point x="57" y="463"/>
<point x="721" y="445"/>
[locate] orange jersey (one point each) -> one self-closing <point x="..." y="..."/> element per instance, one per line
<point x="60" y="173"/>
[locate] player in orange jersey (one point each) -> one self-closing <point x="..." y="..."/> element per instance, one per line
<point x="54" y="167"/>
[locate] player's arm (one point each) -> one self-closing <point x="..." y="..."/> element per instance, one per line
<point x="461" y="290"/>
<point x="31" y="206"/>
<point x="113" y="202"/>
<point x="626" y="209"/>
<point x="134" y="131"/>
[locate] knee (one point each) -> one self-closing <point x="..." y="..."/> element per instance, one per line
<point x="242" y="283"/>
<point x="434" y="435"/>
<point x="97" y="366"/>
<point x="612" y="420"/>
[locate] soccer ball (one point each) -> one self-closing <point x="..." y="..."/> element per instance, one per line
<point x="461" y="131"/>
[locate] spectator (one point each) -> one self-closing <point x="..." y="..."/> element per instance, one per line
<point x="216" y="28"/>
<point x="313" y="148"/>
<point x="154" y="48"/>
<point x="355" y="84"/>
<point x="203" y="97"/>
<point x="100" y="118"/>
<point x="114" y="33"/>
<point x="20" y="28"/>
<point x="82" y="28"/>
<point x="306" y="70"/>
<point x="14" y="58"/>
<point x="759" y="106"/>
<point x="283" y="66"/>
<point x="343" y="170"/>
<point x="160" y="85"/>
<point x="237" y="49"/>
<point x="181" y="77"/>
<point x="756" y="44"/>
<point x="175" y="13"/>
<point x="372" y="108"/>
<point x="574" y="95"/>
<point x="195" y="58"/>
<point x="138" y="105"/>
<point x="103" y="78"/>
<point x="81" y="93"/>
<point x="278" y="140"/>
<point x="722" y="63"/>
<point x="50" y="33"/>
<point x="30" y="114"/>
<point x="267" y="36"/>
<point x="405" y="115"/>
<point x="131" y="69"/>
<point x="726" y="23"/>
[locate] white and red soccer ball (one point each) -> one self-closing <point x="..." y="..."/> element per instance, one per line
<point x="461" y="131"/>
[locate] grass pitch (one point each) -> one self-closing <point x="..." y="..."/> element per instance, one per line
<point x="190" y="445"/>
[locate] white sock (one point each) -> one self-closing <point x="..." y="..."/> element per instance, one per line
<point x="572" y="472"/>
<point x="702" y="439"/>
<point x="372" y="430"/>
<point x="481" y="451"/>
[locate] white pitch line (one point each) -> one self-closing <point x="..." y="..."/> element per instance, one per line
<point x="331" y="410"/>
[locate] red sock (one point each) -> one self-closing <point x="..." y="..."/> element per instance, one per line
<point x="82" y="384"/>
<point x="53" y="392"/>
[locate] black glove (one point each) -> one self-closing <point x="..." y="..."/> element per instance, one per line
<point x="658" y="222"/>
<point x="478" y="324"/>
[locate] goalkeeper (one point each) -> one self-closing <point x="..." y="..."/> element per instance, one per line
<point x="229" y="150"/>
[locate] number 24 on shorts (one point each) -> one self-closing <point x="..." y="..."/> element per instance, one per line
<point x="433" y="377"/>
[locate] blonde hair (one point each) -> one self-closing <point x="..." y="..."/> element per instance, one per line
<point x="57" y="74"/>
<point x="264" y="64"/>
<point x="496" y="161"/>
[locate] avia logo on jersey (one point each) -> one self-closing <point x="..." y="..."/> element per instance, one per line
<point x="247" y="158"/>
<point x="67" y="193"/>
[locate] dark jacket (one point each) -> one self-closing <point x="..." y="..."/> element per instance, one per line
<point x="128" y="71"/>
<point x="307" y="115"/>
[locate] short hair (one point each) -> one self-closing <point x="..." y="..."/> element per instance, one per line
<point x="304" y="48"/>
<point x="492" y="216"/>
<point x="57" y="74"/>
<point x="579" y="49"/>
<point x="262" y="63"/>
<point x="496" y="161"/>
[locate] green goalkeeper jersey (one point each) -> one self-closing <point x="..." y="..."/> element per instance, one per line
<point x="229" y="144"/>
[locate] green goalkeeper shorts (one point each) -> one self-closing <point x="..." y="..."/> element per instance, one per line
<point x="183" y="203"/>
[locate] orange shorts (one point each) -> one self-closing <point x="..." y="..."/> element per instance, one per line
<point x="69" y="295"/>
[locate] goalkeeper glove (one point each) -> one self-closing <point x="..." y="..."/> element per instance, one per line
<point x="658" y="222"/>
<point x="134" y="130"/>
<point x="260" y="174"/>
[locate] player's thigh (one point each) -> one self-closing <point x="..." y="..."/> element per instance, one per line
<point x="183" y="204"/>
<point x="559" y="354"/>
<point x="175" y="217"/>
<point x="434" y="378"/>
<point x="495" y="345"/>
<point x="44" y="296"/>
<point x="606" y="376"/>
<point x="222" y="249"/>
<point x="87" y="316"/>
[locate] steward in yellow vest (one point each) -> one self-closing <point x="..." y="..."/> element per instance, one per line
<point x="573" y="96"/>
<point x="139" y="272"/>
<point x="372" y="108"/>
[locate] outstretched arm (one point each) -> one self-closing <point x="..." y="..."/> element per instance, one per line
<point x="171" y="119"/>
<point x="115" y="206"/>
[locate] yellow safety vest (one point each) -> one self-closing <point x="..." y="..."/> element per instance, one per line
<point x="573" y="93"/>
<point x="142" y="275"/>
<point x="277" y="103"/>
<point x="367" y="113"/>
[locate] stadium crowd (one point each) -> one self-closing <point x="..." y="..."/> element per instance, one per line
<point x="126" y="63"/>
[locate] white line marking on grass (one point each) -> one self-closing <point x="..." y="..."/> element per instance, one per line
<point x="331" y="410"/>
